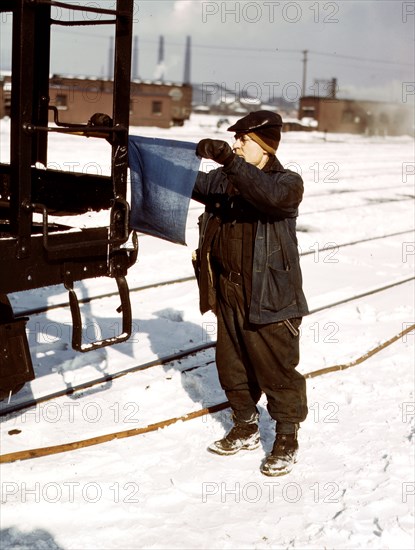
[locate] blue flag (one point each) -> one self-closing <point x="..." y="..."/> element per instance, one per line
<point x="163" y="174"/>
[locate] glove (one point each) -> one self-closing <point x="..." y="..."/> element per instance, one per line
<point x="215" y="149"/>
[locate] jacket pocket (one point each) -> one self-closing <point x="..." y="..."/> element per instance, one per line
<point x="278" y="289"/>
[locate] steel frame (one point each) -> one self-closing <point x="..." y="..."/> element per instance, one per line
<point x="36" y="255"/>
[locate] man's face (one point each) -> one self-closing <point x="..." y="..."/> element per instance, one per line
<point x="249" y="150"/>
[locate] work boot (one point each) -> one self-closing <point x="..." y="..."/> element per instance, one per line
<point x="283" y="456"/>
<point x="244" y="435"/>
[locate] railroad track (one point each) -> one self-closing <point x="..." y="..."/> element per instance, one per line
<point x="348" y="191"/>
<point x="88" y="299"/>
<point x="345" y="191"/>
<point x="98" y="440"/>
<point x="364" y="190"/>
<point x="374" y="203"/>
<point x="11" y="457"/>
<point x="175" y="356"/>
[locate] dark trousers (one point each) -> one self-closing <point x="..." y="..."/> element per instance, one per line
<point x="252" y="359"/>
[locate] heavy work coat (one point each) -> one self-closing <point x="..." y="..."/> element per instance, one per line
<point x="274" y="194"/>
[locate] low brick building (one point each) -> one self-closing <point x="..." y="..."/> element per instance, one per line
<point x="160" y="104"/>
<point x="358" y="117"/>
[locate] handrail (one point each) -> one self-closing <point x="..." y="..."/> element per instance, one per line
<point x="83" y="244"/>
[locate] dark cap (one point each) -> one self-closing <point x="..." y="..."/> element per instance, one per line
<point x="256" y="121"/>
<point x="264" y="127"/>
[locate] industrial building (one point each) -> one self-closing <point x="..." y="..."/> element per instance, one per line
<point x="358" y="116"/>
<point x="161" y="104"/>
<point x="153" y="103"/>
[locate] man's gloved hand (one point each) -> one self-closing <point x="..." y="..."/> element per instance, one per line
<point x="215" y="149"/>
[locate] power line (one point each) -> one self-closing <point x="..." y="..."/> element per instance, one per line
<point x="361" y="59"/>
<point x="251" y="49"/>
<point x="284" y="50"/>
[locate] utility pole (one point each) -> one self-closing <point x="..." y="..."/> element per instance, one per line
<point x="305" y="52"/>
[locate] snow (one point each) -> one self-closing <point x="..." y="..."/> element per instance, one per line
<point x="353" y="486"/>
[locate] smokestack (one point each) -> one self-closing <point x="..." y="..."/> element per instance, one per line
<point x="160" y="62"/>
<point x="135" y="59"/>
<point x="187" y="61"/>
<point x="111" y="60"/>
<point x="333" y="88"/>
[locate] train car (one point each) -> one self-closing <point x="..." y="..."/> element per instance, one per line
<point x="35" y="250"/>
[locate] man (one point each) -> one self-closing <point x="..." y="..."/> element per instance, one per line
<point x="248" y="271"/>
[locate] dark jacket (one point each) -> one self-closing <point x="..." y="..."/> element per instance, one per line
<point x="275" y="194"/>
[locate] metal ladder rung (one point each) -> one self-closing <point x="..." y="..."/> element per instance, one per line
<point x="75" y="7"/>
<point x="125" y="309"/>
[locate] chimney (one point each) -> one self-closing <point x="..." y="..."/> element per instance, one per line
<point x="187" y="61"/>
<point x="160" y="62"/>
<point x="333" y="88"/>
<point x="135" y="59"/>
<point x="111" y="60"/>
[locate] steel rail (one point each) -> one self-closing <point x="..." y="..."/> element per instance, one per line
<point x="169" y="358"/>
<point x="374" y="203"/>
<point x="108" y="378"/>
<point x="345" y="191"/>
<point x="88" y="299"/>
<point x="105" y="438"/>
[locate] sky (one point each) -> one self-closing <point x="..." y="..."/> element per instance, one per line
<point x="254" y="47"/>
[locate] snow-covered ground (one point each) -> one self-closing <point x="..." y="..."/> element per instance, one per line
<point x="353" y="487"/>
